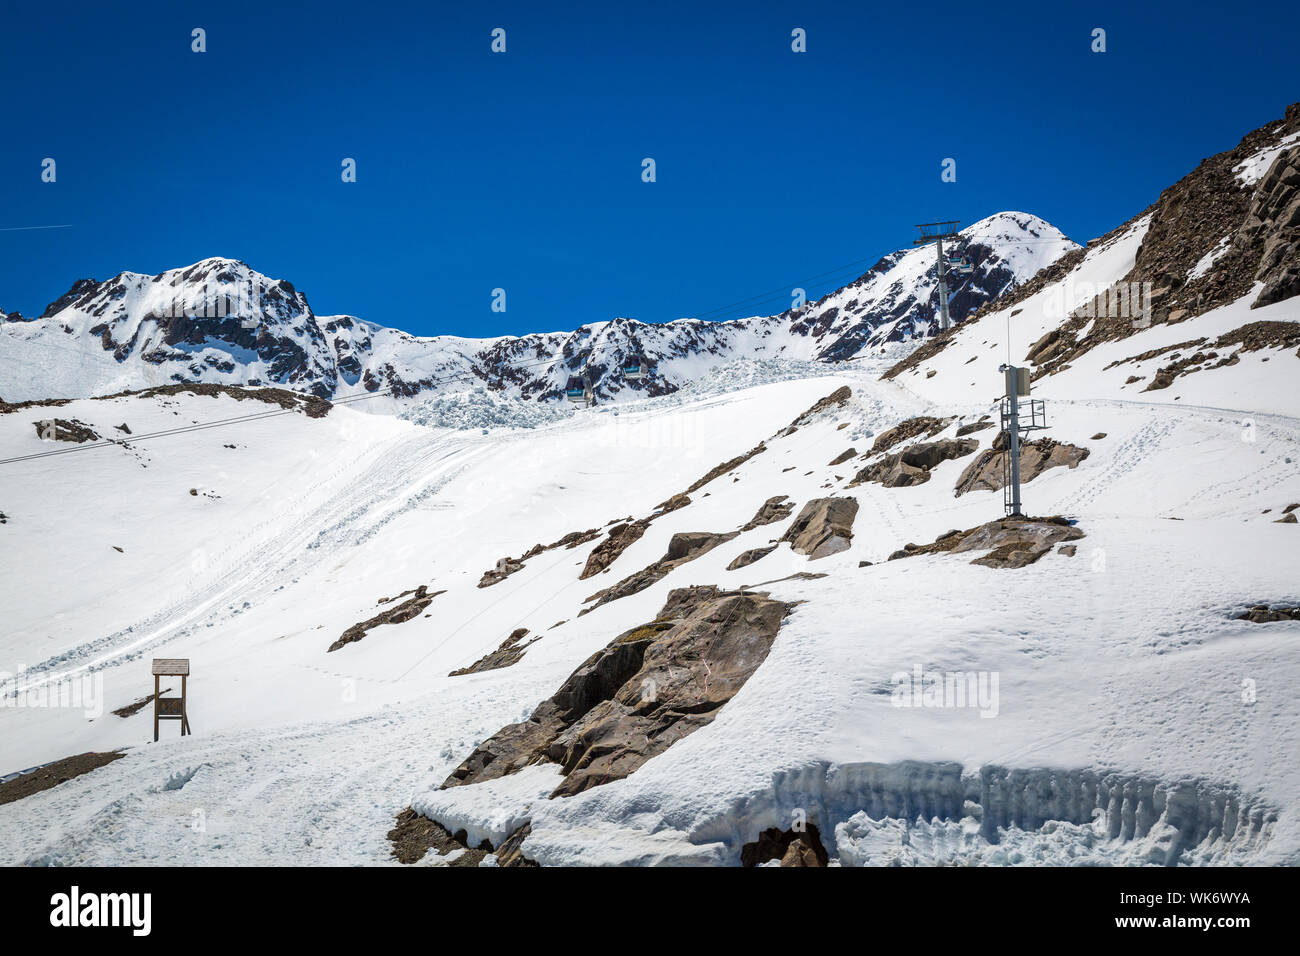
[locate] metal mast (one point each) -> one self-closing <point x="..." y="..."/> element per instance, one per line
<point x="1018" y="418"/>
<point x="937" y="232"/>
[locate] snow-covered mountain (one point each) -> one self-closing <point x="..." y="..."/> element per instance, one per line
<point x="221" y="322"/>
<point x="781" y="623"/>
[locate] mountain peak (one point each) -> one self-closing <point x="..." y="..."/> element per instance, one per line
<point x="220" y="321"/>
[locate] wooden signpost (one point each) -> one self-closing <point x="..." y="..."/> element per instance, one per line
<point x="170" y="708"/>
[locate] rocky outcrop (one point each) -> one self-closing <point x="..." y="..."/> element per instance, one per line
<point x="1211" y="237"/>
<point x="411" y="608"/>
<point x="53" y="774"/>
<point x="801" y="847"/>
<point x="911" y="428"/>
<point x="912" y="465"/>
<point x="414" y="835"/>
<point x="618" y="540"/>
<point x="824" y="527"/>
<point x="835" y="399"/>
<point x="746" y="558"/>
<point x="504" y="568"/>
<point x="971" y="427"/>
<point x="630" y="701"/>
<point x="508" y="566"/>
<point x="774" y="509"/>
<point x="510" y="652"/>
<point x="1036" y="457"/>
<point x="682" y="547"/>
<point x="842" y="457"/>
<point x="1266" y="614"/>
<point x="1273" y="224"/>
<point x="61" y="429"/>
<point x="1251" y="337"/>
<point x="1011" y="542"/>
<point x="730" y="465"/>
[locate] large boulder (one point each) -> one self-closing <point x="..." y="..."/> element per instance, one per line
<point x="1036" y="457"/>
<point x="912" y="465"/>
<point x="823" y="527"/>
<point x="926" y="425"/>
<point x="1011" y="542"/>
<point x="651" y="686"/>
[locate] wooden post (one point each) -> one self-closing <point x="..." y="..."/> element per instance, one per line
<point x="155" y="706"/>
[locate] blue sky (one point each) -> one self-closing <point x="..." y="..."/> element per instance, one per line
<point x="522" y="170"/>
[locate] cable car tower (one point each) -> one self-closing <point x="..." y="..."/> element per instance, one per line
<point x="937" y="232"/>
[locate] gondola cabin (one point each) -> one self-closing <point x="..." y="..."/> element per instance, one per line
<point x="578" y="389"/>
<point x="635" y="371"/>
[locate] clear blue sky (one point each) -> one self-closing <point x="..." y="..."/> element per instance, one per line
<point x="523" y="170"/>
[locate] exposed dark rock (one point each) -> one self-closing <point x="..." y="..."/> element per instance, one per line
<point x="823" y="527"/>
<point x="1248" y="338"/>
<point x="510" y="652"/>
<point x="912" y="465"/>
<point x="834" y="400"/>
<point x="842" y="457"/>
<point x="61" y="429"/>
<point x="972" y="427"/>
<point x="415" y="835"/>
<point x="412" y="607"/>
<point x="1286" y="519"/>
<point x="1273" y="225"/>
<point x="727" y="466"/>
<point x="985" y="472"/>
<point x="801" y="847"/>
<point x="1010" y="542"/>
<point x="133" y="708"/>
<point x="505" y="567"/>
<point x="911" y="428"/>
<point x="746" y="558"/>
<point x="53" y="774"/>
<point x="619" y="539"/>
<point x="682" y="547"/>
<point x="679" y="500"/>
<point x="651" y="686"/>
<point x="511" y="850"/>
<point x="508" y="565"/>
<point x="1188" y="222"/>
<point x="1264" y="614"/>
<point x="774" y="509"/>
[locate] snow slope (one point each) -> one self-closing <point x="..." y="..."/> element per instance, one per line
<point x="1125" y="659"/>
